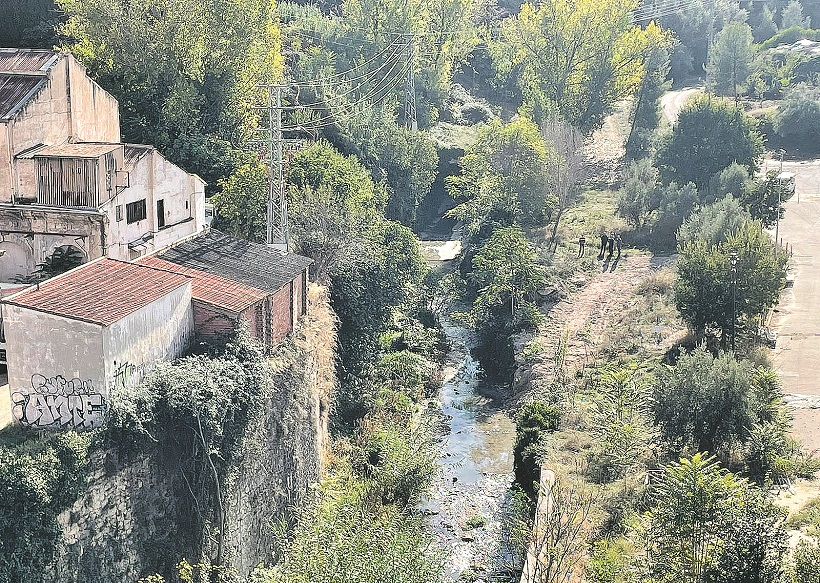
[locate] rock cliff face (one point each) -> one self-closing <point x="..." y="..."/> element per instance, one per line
<point x="139" y="516"/>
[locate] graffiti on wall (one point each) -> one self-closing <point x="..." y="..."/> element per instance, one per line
<point x="59" y="403"/>
<point x="126" y="374"/>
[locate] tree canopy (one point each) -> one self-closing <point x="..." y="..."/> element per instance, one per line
<point x="709" y="135"/>
<point x="576" y="57"/>
<point x="730" y="60"/>
<point x="184" y="72"/>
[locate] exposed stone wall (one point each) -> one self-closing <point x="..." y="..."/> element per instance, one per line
<point x="134" y="518"/>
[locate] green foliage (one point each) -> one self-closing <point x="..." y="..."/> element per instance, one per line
<point x="676" y="203"/>
<point x="766" y="197"/>
<point x="640" y="194"/>
<point x="185" y="75"/>
<point x="766" y="27"/>
<point x="791" y="35"/>
<point x="647" y="115"/>
<point x="710" y="134"/>
<point x="620" y="424"/>
<point x="241" y="203"/>
<point x="703" y="293"/>
<point x="734" y="180"/>
<point x="28" y="23"/>
<point x="403" y="371"/>
<point x="708" y="526"/>
<point x="730" y="59"/>
<point x="582" y="84"/>
<point x="608" y="562"/>
<point x="713" y="223"/>
<point x="535" y="421"/>
<point x="806" y="562"/>
<point x="798" y="117"/>
<point x="706" y="403"/>
<point x="792" y="16"/>
<point x="39" y="478"/>
<point x="475" y="521"/>
<point x="342" y="540"/>
<point x="504" y="178"/>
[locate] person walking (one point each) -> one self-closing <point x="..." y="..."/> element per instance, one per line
<point x="618" y="243"/>
<point x="610" y="246"/>
<point x="582" y="241"/>
<point x="604" y="241"/>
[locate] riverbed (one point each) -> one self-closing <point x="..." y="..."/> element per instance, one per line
<point x="469" y="498"/>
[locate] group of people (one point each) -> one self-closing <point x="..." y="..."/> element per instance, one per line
<point x="610" y="244"/>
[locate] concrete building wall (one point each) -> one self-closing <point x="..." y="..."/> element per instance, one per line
<point x="56" y="370"/>
<point x="155" y="179"/>
<point x="29" y="234"/>
<point x="162" y="330"/>
<point x="70" y="106"/>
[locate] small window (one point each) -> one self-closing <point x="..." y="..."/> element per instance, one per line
<point x="186" y="205"/>
<point x="119" y="212"/>
<point x="160" y="214"/>
<point x="135" y="211"/>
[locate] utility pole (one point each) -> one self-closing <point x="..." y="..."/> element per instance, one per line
<point x="410" y="86"/>
<point x="733" y="261"/>
<point x="278" y="235"/>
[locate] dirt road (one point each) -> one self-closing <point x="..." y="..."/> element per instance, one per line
<point x="673" y="101"/>
<point x="797" y="319"/>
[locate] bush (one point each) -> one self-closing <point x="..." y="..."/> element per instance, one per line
<point x="806" y="562"/>
<point x="39" y="478"/>
<point x="798" y="117"/>
<point x="475" y="113"/>
<point x="535" y="421"/>
<point x="713" y="223"/>
<point x="791" y="35"/>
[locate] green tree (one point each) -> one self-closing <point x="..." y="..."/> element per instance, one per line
<point x="676" y="203"/>
<point x="708" y="403"/>
<point x="185" y="73"/>
<point x="647" y="114"/>
<point x="703" y="292"/>
<point x="765" y="199"/>
<point x="709" y="135"/>
<point x="730" y="60"/>
<point x="798" y="117"/>
<point x="241" y="203"/>
<point x="734" y="180"/>
<point x="505" y="270"/>
<point x="332" y="204"/>
<point x="709" y="526"/>
<point x="640" y="195"/>
<point x="714" y="222"/>
<point x="576" y="57"/>
<point x="535" y="422"/>
<point x="504" y="177"/>
<point x="766" y="27"/>
<point x="792" y="15"/>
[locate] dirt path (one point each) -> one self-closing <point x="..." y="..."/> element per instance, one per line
<point x="582" y="322"/>
<point x="673" y="101"/>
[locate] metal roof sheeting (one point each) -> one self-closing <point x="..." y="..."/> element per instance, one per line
<point x="15" y="90"/>
<point x="27" y="60"/>
<point x="253" y="264"/>
<point x="101" y="292"/>
<point x="212" y="289"/>
<point x="76" y="150"/>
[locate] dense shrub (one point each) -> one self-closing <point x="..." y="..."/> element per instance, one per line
<point x="535" y="421"/>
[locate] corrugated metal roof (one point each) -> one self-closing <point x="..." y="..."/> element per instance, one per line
<point x="212" y="289"/>
<point x="101" y="292"/>
<point x="76" y="150"/>
<point x="133" y="153"/>
<point x="27" y="60"/>
<point x="253" y="264"/>
<point x="15" y="91"/>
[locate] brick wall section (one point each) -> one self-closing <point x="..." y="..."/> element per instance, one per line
<point x="281" y="314"/>
<point x="209" y="323"/>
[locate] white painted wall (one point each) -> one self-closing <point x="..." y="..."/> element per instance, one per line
<point x="56" y="370"/>
<point x="154" y="178"/>
<point x="162" y="330"/>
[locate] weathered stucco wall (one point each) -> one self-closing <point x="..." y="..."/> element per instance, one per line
<point x="55" y="368"/>
<point x="153" y="178"/>
<point x="30" y="234"/>
<point x="162" y="330"/>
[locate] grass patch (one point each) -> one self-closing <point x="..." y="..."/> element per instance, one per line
<point x="806" y="517"/>
<point x="475" y="521"/>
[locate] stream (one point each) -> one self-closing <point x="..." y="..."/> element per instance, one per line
<point x="469" y="496"/>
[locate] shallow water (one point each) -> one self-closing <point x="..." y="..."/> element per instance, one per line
<point x="476" y="466"/>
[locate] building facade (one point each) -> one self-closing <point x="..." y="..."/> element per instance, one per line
<point x="66" y="180"/>
<point x="77" y="337"/>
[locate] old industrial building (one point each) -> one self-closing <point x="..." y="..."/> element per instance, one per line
<point x="99" y="327"/>
<point x="66" y="180"/>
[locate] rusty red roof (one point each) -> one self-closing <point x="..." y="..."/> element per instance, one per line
<point x="101" y="292"/>
<point x="210" y="288"/>
<point x="16" y="90"/>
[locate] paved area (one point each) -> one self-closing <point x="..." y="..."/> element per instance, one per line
<point x="797" y="319"/>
